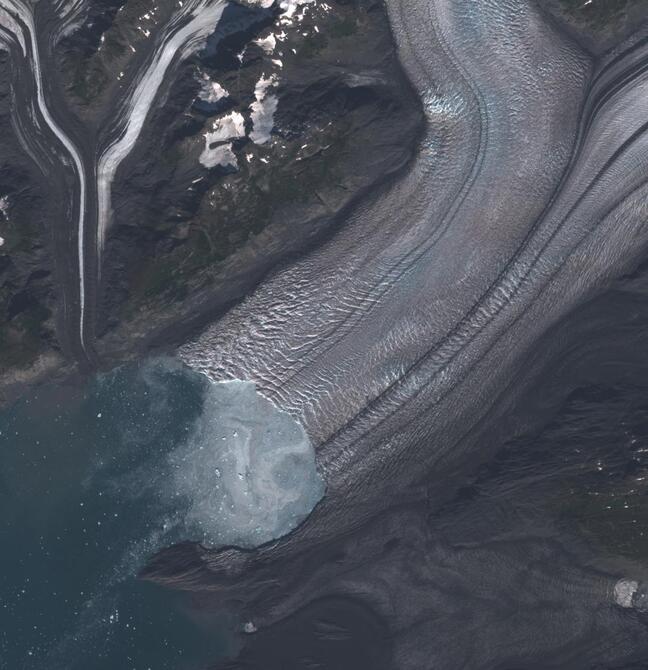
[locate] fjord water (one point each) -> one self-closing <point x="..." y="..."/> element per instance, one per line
<point x="74" y="533"/>
<point x="92" y="482"/>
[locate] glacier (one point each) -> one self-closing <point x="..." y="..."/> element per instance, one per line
<point x="247" y="472"/>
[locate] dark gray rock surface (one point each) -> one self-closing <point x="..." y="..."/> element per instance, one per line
<point x="405" y="353"/>
<point x="346" y="121"/>
<point x="186" y="241"/>
<point x="408" y="306"/>
<point x="598" y="25"/>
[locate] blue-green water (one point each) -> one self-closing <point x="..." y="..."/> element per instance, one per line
<point x="81" y="509"/>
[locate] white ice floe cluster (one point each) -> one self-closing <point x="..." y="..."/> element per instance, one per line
<point x="248" y="472"/>
<point x="218" y="141"/>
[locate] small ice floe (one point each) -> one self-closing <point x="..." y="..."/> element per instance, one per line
<point x="249" y="627"/>
<point x="263" y="110"/>
<point x="2" y="241"/>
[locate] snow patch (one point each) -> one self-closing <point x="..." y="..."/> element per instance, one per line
<point x="294" y="11"/>
<point x="221" y="155"/>
<point x="290" y="7"/>
<point x="263" y="110"/>
<point x="266" y="4"/>
<point x="224" y="130"/>
<point x="4" y="206"/>
<point x="212" y="91"/>
<point x="268" y="44"/>
<point x="230" y="126"/>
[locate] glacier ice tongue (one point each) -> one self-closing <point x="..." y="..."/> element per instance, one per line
<point x="247" y="473"/>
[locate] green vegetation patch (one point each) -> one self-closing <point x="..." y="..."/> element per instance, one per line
<point x="22" y="338"/>
<point x="312" y="45"/>
<point x="236" y="209"/>
<point x="616" y="520"/>
<point x="343" y="28"/>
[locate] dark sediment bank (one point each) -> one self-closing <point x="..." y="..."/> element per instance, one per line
<point x="519" y="553"/>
